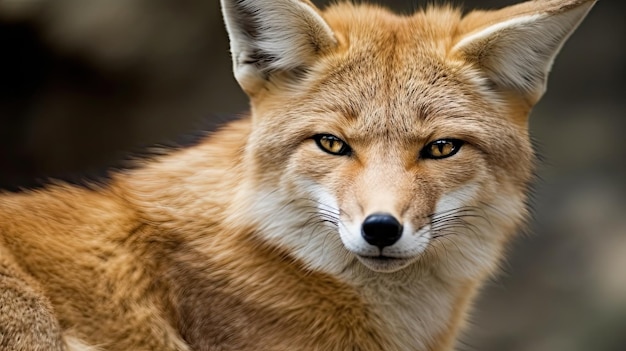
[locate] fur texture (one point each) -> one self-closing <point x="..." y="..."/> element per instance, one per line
<point x="254" y="239"/>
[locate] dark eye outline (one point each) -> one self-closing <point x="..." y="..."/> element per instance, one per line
<point x="456" y="146"/>
<point x="345" y="148"/>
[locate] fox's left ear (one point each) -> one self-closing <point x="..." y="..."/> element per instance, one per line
<point x="274" y="39"/>
<point x="515" y="46"/>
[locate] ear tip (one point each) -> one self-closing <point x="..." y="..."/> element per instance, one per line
<point x="583" y="4"/>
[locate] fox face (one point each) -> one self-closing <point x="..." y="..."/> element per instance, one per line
<point x="386" y="139"/>
<point x="394" y="167"/>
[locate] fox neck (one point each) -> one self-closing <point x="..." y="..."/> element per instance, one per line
<point x="422" y="311"/>
<point x="361" y="309"/>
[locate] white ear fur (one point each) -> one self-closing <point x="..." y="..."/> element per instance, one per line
<point x="268" y="36"/>
<point x="517" y="53"/>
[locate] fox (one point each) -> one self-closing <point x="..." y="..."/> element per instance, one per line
<point x="374" y="186"/>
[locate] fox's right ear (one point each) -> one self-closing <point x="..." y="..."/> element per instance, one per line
<point x="273" y="37"/>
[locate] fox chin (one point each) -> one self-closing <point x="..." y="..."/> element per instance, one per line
<point x="360" y="205"/>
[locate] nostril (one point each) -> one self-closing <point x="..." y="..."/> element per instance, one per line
<point x="381" y="229"/>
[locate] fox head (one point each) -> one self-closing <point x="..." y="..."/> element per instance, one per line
<point x="390" y="140"/>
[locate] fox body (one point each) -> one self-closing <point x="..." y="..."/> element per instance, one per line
<point x="359" y="206"/>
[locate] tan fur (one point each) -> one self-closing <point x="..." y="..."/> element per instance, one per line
<point x="243" y="241"/>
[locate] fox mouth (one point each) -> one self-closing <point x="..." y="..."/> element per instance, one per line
<point x="384" y="264"/>
<point x="391" y="257"/>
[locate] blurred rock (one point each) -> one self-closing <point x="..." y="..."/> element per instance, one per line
<point x="81" y="82"/>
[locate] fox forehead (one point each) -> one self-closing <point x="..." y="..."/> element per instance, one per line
<point x="391" y="74"/>
<point x="368" y="26"/>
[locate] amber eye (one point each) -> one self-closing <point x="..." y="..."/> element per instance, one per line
<point x="332" y="144"/>
<point x="441" y="148"/>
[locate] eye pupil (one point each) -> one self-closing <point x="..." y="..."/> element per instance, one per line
<point x="441" y="147"/>
<point x="331" y="144"/>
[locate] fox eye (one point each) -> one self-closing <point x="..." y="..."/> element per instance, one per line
<point x="441" y="148"/>
<point x="332" y="145"/>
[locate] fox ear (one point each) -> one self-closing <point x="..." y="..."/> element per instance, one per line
<point x="271" y="37"/>
<point x="515" y="46"/>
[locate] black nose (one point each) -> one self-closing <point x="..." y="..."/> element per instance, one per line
<point x="381" y="229"/>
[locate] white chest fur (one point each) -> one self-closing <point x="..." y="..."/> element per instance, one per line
<point x="412" y="310"/>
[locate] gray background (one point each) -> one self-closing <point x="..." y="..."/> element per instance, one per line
<point x="81" y="82"/>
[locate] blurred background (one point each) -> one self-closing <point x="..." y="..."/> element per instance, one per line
<point x="82" y="82"/>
